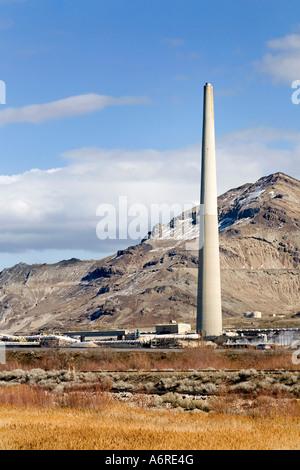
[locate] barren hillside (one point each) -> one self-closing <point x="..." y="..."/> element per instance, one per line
<point x="155" y="280"/>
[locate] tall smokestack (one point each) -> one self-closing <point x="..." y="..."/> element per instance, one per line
<point x="209" y="310"/>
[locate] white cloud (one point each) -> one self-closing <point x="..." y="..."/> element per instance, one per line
<point x="72" y="106"/>
<point x="282" y="62"/>
<point x="56" y="209"/>
<point x="251" y="153"/>
<point x="174" y="42"/>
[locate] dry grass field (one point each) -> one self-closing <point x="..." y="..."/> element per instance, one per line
<point x="122" y="427"/>
<point x="32" y="418"/>
<point x="45" y="409"/>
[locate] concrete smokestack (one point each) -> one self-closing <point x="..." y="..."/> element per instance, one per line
<point x="209" y="310"/>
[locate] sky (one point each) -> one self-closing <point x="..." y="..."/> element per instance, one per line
<point x="101" y="109"/>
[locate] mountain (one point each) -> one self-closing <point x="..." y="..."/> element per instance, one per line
<point x="155" y="281"/>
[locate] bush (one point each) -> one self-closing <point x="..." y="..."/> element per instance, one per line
<point x="186" y="403"/>
<point x="244" y="387"/>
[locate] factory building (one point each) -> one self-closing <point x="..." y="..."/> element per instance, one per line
<point x="255" y="314"/>
<point x="173" y="328"/>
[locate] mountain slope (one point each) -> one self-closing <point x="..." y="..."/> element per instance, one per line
<point x="156" y="280"/>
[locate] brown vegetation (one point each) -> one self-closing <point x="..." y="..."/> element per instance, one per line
<point x="108" y="359"/>
<point x="128" y="405"/>
<point x="120" y="426"/>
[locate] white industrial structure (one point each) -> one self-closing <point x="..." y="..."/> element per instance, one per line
<point x="254" y="314"/>
<point x="209" y="310"/>
<point x="173" y="328"/>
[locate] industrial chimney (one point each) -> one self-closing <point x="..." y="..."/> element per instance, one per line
<point x="209" y="310"/>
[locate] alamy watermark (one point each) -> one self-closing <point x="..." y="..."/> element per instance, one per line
<point x="136" y="221"/>
<point x="296" y="94"/>
<point x="296" y="354"/>
<point x="2" y="92"/>
<point x="2" y="354"/>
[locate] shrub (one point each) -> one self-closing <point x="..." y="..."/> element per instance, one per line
<point x="24" y="395"/>
<point x="244" y="387"/>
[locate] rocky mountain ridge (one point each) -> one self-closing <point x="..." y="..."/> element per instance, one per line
<point x="155" y="281"/>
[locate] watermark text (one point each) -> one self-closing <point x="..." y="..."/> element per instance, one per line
<point x="2" y="92"/>
<point x="296" y="94"/>
<point x="160" y="221"/>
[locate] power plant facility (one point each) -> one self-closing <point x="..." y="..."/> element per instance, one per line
<point x="166" y="335"/>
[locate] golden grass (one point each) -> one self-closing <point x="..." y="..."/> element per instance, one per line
<point x="36" y="418"/>
<point x="123" y="427"/>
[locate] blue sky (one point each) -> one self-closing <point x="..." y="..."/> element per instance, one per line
<point x="104" y="99"/>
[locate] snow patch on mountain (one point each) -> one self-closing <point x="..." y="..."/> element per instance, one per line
<point x="187" y="225"/>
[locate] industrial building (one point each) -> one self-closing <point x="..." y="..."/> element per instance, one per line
<point x="255" y="314"/>
<point x="173" y="328"/>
